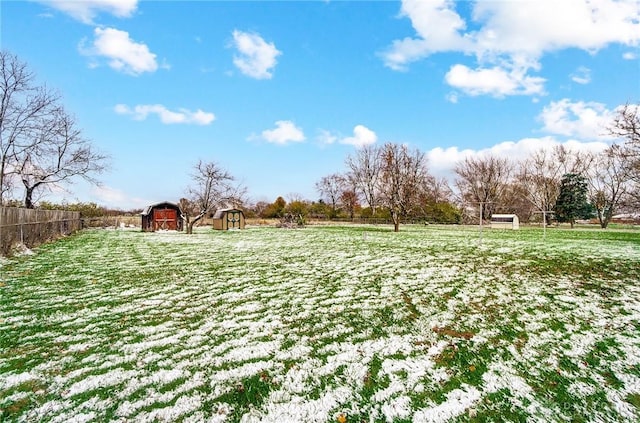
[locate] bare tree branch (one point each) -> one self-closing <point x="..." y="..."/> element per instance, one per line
<point x="59" y="155"/>
<point x="212" y="187"/>
<point x="22" y="106"/>
<point x="483" y="181"/>
<point x="626" y="125"/>
<point x="609" y="183"/>
<point x="403" y="175"/>
<point x="364" y="171"/>
<point x="331" y="188"/>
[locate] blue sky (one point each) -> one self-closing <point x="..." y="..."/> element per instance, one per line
<point x="279" y="93"/>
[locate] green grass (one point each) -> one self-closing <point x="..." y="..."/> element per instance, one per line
<point x="428" y="324"/>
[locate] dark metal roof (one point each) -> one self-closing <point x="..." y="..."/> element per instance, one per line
<point x="148" y="209"/>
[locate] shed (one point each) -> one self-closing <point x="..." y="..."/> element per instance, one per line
<point x="162" y="216"/>
<point x="225" y="219"/>
<point x="505" y="221"/>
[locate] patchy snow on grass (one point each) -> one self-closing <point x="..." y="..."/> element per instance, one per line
<point x="10" y="380"/>
<point x="93" y="382"/>
<point x="457" y="403"/>
<point x="321" y="324"/>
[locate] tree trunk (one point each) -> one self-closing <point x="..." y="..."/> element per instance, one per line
<point x="186" y="223"/>
<point x="604" y="217"/>
<point x="193" y="222"/>
<point x="396" y="221"/>
<point x="607" y="218"/>
<point x="2" y="180"/>
<point x="28" y="197"/>
<point x="600" y="218"/>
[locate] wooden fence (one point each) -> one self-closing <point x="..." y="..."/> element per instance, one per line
<point x="32" y="227"/>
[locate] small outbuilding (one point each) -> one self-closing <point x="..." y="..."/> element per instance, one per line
<point x="225" y="219"/>
<point x="163" y="216"/>
<point x="505" y="221"/>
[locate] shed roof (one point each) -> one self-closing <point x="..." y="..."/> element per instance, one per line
<point x="148" y="209"/>
<point x="218" y="214"/>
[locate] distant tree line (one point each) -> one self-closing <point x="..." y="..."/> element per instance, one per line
<point x="88" y="210"/>
<point x="394" y="181"/>
<point x="560" y="182"/>
<point x="390" y="182"/>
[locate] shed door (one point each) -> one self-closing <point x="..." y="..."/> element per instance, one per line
<point x="233" y="220"/>
<point x="165" y="219"/>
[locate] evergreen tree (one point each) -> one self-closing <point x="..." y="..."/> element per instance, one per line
<point x="572" y="201"/>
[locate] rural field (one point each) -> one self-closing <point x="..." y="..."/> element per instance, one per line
<point x="323" y="324"/>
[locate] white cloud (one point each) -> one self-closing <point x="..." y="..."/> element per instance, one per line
<point x="496" y="81"/>
<point x="583" y="123"/>
<point x="361" y="136"/>
<point x="585" y="120"/>
<point x="582" y="75"/>
<point x="86" y="10"/>
<point x="285" y="132"/>
<point x="116" y="198"/>
<point x="629" y="56"/>
<point x="508" y="36"/>
<point x="142" y="111"/>
<point x="536" y="27"/>
<point x="123" y="54"/>
<point x="122" y="109"/>
<point x="438" y="28"/>
<point x="326" y="137"/>
<point x="443" y="161"/>
<point x="255" y="57"/>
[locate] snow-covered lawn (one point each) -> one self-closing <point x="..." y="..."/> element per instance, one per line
<point x="323" y="324"/>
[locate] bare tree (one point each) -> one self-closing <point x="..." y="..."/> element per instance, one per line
<point x="540" y="175"/>
<point x="22" y="106"/>
<point x="608" y="183"/>
<point x="349" y="200"/>
<point x="364" y="173"/>
<point x="482" y="181"/>
<point x="626" y="125"/>
<point x="434" y="191"/>
<point x="515" y="200"/>
<point x="331" y="187"/>
<point x="212" y="187"/>
<point x="259" y="207"/>
<point x="58" y="155"/>
<point x="403" y="174"/>
<point x="434" y="196"/>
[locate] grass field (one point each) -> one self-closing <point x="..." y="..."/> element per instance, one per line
<point x="323" y="324"/>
